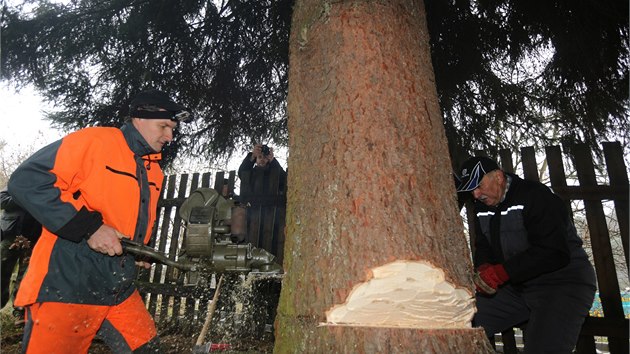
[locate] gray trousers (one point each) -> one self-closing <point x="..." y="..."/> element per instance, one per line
<point x="554" y="312"/>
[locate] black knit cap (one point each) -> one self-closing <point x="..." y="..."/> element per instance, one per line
<point x="159" y="99"/>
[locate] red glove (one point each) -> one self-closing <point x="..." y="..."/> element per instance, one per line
<point x="489" y="277"/>
<point x="483" y="267"/>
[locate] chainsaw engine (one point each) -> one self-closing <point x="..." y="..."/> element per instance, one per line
<point x="215" y="230"/>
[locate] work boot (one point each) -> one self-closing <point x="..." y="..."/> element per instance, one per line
<point x="18" y="313"/>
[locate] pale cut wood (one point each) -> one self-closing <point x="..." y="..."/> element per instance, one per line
<point x="407" y="294"/>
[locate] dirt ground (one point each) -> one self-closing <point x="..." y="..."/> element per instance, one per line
<point x="171" y="342"/>
<point x="247" y="330"/>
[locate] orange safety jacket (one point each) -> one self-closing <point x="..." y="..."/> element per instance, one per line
<point x="90" y="177"/>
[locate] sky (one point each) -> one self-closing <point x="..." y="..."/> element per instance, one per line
<point x="23" y="128"/>
<point x="21" y="123"/>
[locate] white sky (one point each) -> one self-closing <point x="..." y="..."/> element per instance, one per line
<point x="23" y="128"/>
<point x="21" y="123"/>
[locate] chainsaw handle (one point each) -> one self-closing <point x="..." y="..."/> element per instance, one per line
<point x="137" y="249"/>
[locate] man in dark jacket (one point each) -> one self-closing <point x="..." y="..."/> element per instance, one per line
<point x="263" y="183"/>
<point x="19" y="231"/>
<point x="530" y="263"/>
<point x="261" y="160"/>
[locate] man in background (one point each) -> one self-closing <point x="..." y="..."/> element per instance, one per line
<point x="263" y="183"/>
<point x="19" y="231"/>
<point x="261" y="159"/>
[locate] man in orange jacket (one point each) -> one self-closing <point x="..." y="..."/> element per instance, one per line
<point x="89" y="190"/>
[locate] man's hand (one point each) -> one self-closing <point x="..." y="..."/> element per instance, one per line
<point x="270" y="156"/>
<point x="256" y="151"/>
<point x="106" y="240"/>
<point x="489" y="277"/>
<point x="20" y="242"/>
<point x="143" y="264"/>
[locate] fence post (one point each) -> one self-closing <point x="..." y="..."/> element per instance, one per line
<point x="160" y="242"/>
<point x="618" y="177"/>
<point x="600" y="238"/>
<point x="174" y="243"/>
<point x="530" y="168"/>
<point x="507" y="163"/>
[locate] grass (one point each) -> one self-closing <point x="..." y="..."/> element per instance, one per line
<point x="10" y="334"/>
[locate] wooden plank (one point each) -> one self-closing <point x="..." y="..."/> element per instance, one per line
<point x="218" y="182"/>
<point x="606" y="327"/>
<point x="170" y="202"/>
<point x="174" y="244"/>
<point x="220" y="179"/>
<point x="205" y="180"/>
<point x="594" y="193"/>
<point x="600" y="240"/>
<point x="586" y="345"/>
<point x="161" y="242"/>
<point x="507" y="163"/>
<point x="530" y="168"/>
<point x="190" y="300"/>
<point x="175" y="290"/>
<point x="231" y="181"/>
<point x="182" y="192"/>
<point x="617" y="175"/>
<point x="509" y="342"/>
<point x="557" y="176"/>
<point x="145" y="274"/>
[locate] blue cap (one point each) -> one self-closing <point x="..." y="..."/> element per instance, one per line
<point x="472" y="172"/>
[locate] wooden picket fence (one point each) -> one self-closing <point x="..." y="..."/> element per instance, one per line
<point x="183" y="307"/>
<point x="168" y="298"/>
<point x="593" y="195"/>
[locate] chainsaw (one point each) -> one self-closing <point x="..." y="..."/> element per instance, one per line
<point x="215" y="229"/>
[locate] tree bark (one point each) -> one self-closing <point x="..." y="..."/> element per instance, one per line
<point x="370" y="180"/>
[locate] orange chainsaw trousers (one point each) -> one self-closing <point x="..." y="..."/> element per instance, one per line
<point x="53" y="327"/>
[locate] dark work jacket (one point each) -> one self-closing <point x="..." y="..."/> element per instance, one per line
<point x="16" y="221"/>
<point x="91" y="177"/>
<point x="531" y="234"/>
<point x="248" y="174"/>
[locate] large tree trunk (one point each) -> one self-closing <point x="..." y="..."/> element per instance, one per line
<point x="371" y="203"/>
